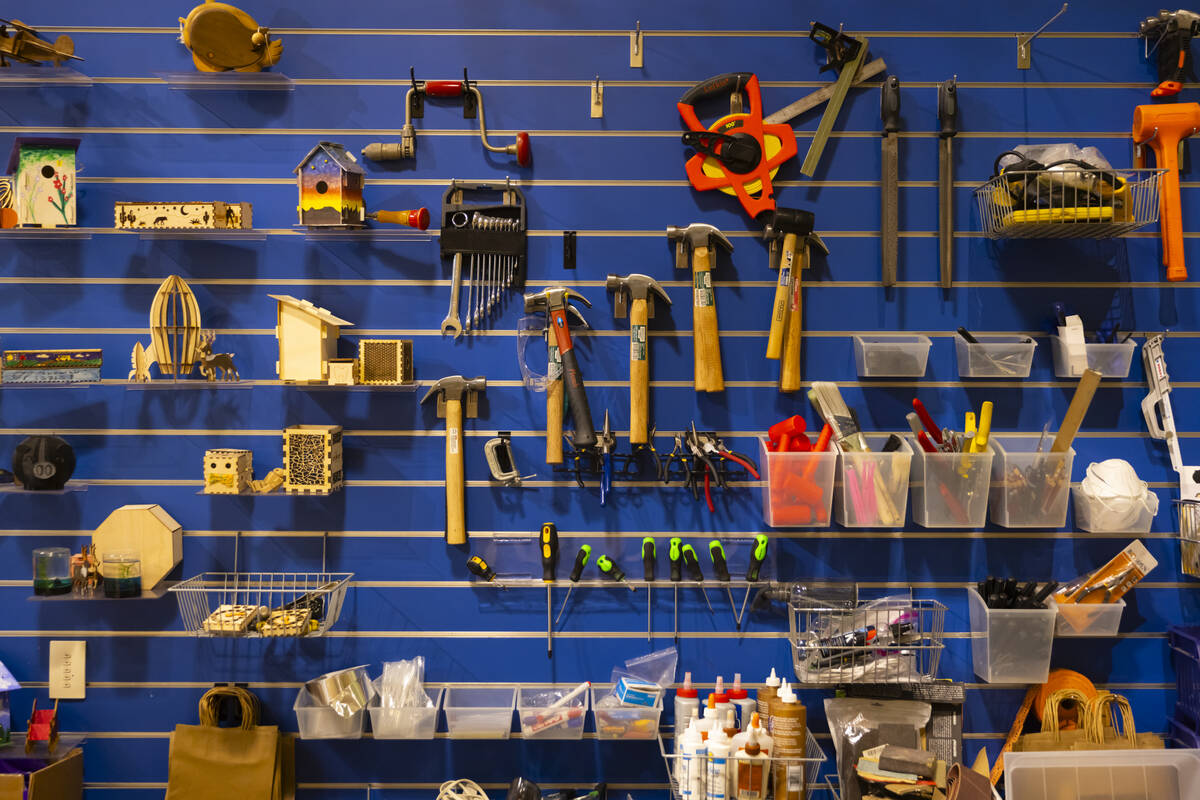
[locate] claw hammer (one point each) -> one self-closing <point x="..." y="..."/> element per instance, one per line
<point x="706" y="343"/>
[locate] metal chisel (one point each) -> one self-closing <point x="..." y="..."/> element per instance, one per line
<point x="947" y="106"/>
<point x="889" y="110"/>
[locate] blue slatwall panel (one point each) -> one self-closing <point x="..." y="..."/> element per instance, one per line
<point x="619" y="182"/>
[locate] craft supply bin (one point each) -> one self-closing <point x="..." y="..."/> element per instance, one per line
<point x="872" y="488"/>
<point x="322" y="722"/>
<point x="539" y="721"/>
<point x="797" y="488"/>
<point x="1087" y="619"/>
<point x="479" y="713"/>
<point x="1010" y="645"/>
<point x="902" y="356"/>
<point x="950" y="490"/>
<point x="626" y="722"/>
<point x="1110" y="360"/>
<point x="995" y="356"/>
<point x="1103" y="775"/>
<point x="1029" y="489"/>
<point x="1089" y="516"/>
<point x="405" y="723"/>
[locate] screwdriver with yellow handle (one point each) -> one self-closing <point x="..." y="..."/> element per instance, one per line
<point x="413" y="218"/>
<point x="548" y="545"/>
<point x="482" y="569"/>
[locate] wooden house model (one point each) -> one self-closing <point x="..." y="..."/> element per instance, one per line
<point x="307" y="337"/>
<point x="43" y="180"/>
<point x="330" y="181"/>
<point x="7" y="684"/>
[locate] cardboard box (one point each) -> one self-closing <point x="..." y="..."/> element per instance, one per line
<point x="62" y="780"/>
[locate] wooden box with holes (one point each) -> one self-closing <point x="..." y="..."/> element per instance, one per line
<point x="312" y="458"/>
<point x="228" y="471"/>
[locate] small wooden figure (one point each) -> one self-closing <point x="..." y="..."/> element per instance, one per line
<point x="210" y="363"/>
<point x="27" y="47"/>
<point x="85" y="571"/>
<point x="384" y="362"/>
<point x="147" y="530"/>
<point x="43" y="181"/>
<point x="182" y="216"/>
<point x="312" y="458"/>
<point x="223" y="38"/>
<point x="228" y="471"/>
<point x="342" y="371"/>
<point x="330" y="181"/>
<point x="174" y="333"/>
<point x="43" y="727"/>
<point x="307" y="337"/>
<point x="270" y="483"/>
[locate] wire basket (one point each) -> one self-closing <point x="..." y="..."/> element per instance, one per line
<point x="1068" y="203"/>
<point x="261" y="604"/>
<point x="882" y="641"/>
<point x="1189" y="537"/>
<point x="810" y="763"/>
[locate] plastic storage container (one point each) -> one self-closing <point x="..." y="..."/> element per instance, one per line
<point x="322" y="722"/>
<point x="479" y="713"/>
<point x="872" y="488"/>
<point x="903" y="356"/>
<point x="1184" y="641"/>
<point x="1103" y="775"/>
<point x="1088" y="619"/>
<point x="539" y="721"/>
<point x="950" y="490"/>
<point x="1110" y="360"/>
<point x="1093" y="517"/>
<point x="1010" y="645"/>
<point x="626" y="722"/>
<point x="995" y="356"/>
<point x="797" y="487"/>
<point x="1029" y="489"/>
<point x="405" y="723"/>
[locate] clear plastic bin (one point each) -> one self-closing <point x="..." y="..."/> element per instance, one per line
<point x="322" y="722"/>
<point x="1103" y="775"/>
<point x="479" y="713"/>
<point x="950" y="490"/>
<point x="1029" y="489"/>
<point x="872" y="488"/>
<point x="901" y="356"/>
<point x="1093" y="517"/>
<point x="1110" y="360"/>
<point x="405" y="723"/>
<point x="995" y="356"/>
<point x="797" y="488"/>
<point x="1088" y="619"/>
<point x="1010" y="645"/>
<point x="539" y="721"/>
<point x="625" y="722"/>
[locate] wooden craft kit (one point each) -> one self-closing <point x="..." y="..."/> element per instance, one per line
<point x="51" y="366"/>
<point x="312" y="458"/>
<point x="228" y="471"/>
<point x="384" y="362"/>
<point x="222" y="37"/>
<point x="24" y="45"/>
<point x="183" y="216"/>
<point x="42" y="190"/>
<point x="307" y="336"/>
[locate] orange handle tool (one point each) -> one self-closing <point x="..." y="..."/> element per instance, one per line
<point x="1162" y="128"/>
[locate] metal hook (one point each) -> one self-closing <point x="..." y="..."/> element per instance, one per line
<point x="412" y="76"/>
<point x="635" y="46"/>
<point x="1023" y="44"/>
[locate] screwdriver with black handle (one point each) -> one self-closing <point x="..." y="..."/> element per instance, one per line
<point x="548" y="544"/>
<point x="609" y="569"/>
<point x="693" y="567"/>
<point x="648" y="555"/>
<point x="482" y="569"/>
<point x="716" y="551"/>
<point x="581" y="559"/>
<point x="675" y="557"/>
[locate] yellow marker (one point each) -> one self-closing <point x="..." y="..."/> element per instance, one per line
<point x="980" y="443"/>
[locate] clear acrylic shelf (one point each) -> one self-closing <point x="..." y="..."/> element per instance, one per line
<point x="59" y="234"/>
<point x="228" y="81"/>
<point x="39" y="75"/>
<point x="157" y="593"/>
<point x="70" y="487"/>
<point x="207" y="235"/>
<point x="366" y="234"/>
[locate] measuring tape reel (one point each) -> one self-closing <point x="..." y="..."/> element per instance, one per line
<point x="738" y="154"/>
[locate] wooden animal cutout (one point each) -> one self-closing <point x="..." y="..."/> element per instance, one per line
<point x="223" y="38"/>
<point x="209" y="363"/>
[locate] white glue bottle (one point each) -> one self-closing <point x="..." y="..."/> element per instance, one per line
<point x="741" y="698"/>
<point x="693" y="755"/>
<point x="764" y="739"/>
<point x="686" y="701"/>
<point x="718" y="765"/>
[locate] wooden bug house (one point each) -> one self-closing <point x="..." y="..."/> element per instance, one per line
<point x="307" y="337"/>
<point x="330" y="181"/>
<point x="312" y="458"/>
<point x="43" y="181"/>
<point x="228" y="471"/>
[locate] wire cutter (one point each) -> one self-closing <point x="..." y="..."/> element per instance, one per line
<point x="709" y="450"/>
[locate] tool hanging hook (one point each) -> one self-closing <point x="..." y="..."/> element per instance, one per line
<point x="1024" y="44"/>
<point x="635" y="46"/>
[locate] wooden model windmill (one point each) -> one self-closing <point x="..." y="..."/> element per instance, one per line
<point x="174" y="332"/>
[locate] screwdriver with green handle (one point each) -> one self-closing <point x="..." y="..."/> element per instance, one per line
<point x="757" y="556"/>
<point x="609" y="569"/>
<point x="693" y="566"/>
<point x="581" y="559"/>
<point x="648" y="555"/>
<point x="675" y="557"/>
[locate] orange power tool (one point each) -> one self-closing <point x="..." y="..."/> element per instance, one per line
<point x="1162" y="128"/>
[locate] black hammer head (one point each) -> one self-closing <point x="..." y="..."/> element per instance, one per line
<point x="456" y="387"/>
<point x="637" y="287"/>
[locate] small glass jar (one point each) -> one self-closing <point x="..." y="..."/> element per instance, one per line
<point x="122" y="574"/>
<point x="51" y="570"/>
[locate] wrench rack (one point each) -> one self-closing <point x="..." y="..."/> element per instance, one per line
<point x="491" y="238"/>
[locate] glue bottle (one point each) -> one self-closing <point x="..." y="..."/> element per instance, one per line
<point x="751" y="767"/>
<point x="723" y="702"/>
<point x="717" y="787"/>
<point x="730" y="726"/>
<point x="686" y="701"/>
<point x="754" y="726"/>
<point x="764" y="696"/>
<point x="789" y="731"/>
<point x="741" y="698"/>
<point x="709" y="718"/>
<point x="693" y="753"/>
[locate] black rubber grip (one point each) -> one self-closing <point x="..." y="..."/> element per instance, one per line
<point x="693" y="564"/>
<point x="889" y="104"/>
<point x="648" y="560"/>
<point x="713" y="87"/>
<point x="581" y="559"/>
<point x="585" y="433"/>
<point x="948" y="108"/>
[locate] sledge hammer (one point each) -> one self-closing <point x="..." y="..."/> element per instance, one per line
<point x="706" y="342"/>
<point x="1162" y="128"/>
<point x="635" y="293"/>
<point x="451" y="392"/>
<point x="788" y="224"/>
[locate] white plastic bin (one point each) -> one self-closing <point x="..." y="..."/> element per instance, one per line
<point x="797" y="488"/>
<point x="1029" y="489"/>
<point x="1103" y="775"/>
<point x="479" y="713"/>
<point x="950" y="490"/>
<point x="1088" y="619"/>
<point x="995" y="356"/>
<point x="872" y="488"/>
<point x="1110" y="360"/>
<point x="322" y="722"/>
<point x="625" y="722"/>
<point x="405" y="723"/>
<point x="1010" y="645"/>
<point x="1093" y="517"/>
<point x="898" y="356"/>
<point x="539" y="721"/>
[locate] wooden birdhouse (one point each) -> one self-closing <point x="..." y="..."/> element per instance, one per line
<point x="43" y="181"/>
<point x="7" y="684"/>
<point x="312" y="458"/>
<point x="307" y="337"/>
<point x="330" y="181"/>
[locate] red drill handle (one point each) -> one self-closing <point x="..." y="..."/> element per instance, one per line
<point x="444" y="88"/>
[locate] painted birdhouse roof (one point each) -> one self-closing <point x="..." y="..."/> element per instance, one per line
<point x="340" y="156"/>
<point x="7" y="682"/>
<point x="309" y="308"/>
<point x="36" y="141"/>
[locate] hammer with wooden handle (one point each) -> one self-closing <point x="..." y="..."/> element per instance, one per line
<point x="706" y="338"/>
<point x="788" y="224"/>
<point x="635" y="293"/>
<point x="451" y="392"/>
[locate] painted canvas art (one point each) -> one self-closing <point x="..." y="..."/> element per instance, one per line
<point x="43" y="182"/>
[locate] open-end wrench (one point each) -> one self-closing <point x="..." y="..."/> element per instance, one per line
<point x="470" y="288"/>
<point x="452" y="323"/>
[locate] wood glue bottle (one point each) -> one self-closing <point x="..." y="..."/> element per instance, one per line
<point x="764" y="696"/>
<point x="789" y="731"/>
<point x="752" y="768"/>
